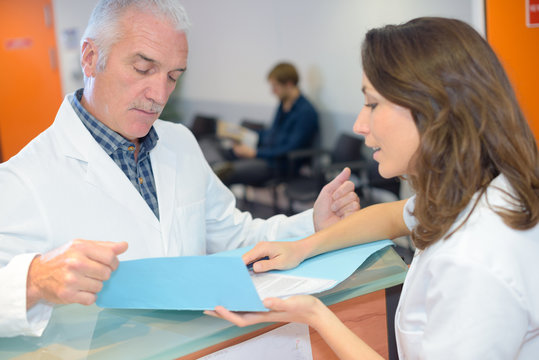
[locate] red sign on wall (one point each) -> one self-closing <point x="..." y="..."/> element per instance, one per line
<point x="532" y="13"/>
<point x="18" y="43"/>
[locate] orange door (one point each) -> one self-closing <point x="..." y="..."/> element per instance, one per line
<point x="518" y="48"/>
<point x="30" y="91"/>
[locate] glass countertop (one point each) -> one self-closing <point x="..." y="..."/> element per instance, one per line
<point x="80" y="332"/>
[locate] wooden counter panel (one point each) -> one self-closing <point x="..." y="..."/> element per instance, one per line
<point x="365" y="315"/>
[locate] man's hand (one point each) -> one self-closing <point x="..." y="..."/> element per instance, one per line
<point x="336" y="201"/>
<point x="244" y="151"/>
<point x="73" y="273"/>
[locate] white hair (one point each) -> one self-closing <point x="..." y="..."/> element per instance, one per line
<point x="103" y="26"/>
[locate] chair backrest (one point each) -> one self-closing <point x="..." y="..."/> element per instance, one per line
<point x="347" y="148"/>
<point x="255" y="125"/>
<point x="203" y="125"/>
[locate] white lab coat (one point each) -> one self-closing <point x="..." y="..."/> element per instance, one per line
<point x="475" y="295"/>
<point x="63" y="186"/>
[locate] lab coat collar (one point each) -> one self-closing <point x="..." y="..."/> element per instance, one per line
<point x="75" y="141"/>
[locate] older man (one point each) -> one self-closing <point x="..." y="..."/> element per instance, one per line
<point x="107" y="171"/>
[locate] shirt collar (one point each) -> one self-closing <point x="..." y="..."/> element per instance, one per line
<point x="108" y="139"/>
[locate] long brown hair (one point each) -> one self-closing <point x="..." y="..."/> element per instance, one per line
<point x="470" y="124"/>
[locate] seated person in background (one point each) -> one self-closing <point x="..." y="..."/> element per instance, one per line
<point x="295" y="127"/>
<point x="108" y="181"/>
<point x="440" y="109"/>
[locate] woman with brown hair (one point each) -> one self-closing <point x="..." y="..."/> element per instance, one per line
<point x="439" y="110"/>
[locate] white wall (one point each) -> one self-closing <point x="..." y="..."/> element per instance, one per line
<point x="234" y="43"/>
<point x="70" y="19"/>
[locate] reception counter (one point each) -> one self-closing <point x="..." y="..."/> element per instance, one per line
<point x="79" y="332"/>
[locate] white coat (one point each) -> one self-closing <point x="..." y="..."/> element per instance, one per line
<point x="476" y="294"/>
<point x="63" y="186"/>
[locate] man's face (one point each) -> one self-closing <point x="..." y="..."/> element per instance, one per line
<point x="278" y="89"/>
<point x="141" y="72"/>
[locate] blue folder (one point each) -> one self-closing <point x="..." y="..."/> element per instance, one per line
<point x="203" y="282"/>
<point x="181" y="283"/>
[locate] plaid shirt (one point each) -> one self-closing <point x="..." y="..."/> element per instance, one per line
<point x="122" y="151"/>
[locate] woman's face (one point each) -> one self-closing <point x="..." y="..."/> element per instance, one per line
<point x="389" y="130"/>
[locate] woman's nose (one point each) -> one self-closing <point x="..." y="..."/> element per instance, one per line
<point x="361" y="126"/>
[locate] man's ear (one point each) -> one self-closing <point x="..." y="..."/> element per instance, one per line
<point x="89" y="56"/>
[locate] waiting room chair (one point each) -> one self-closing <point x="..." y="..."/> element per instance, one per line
<point x="376" y="189"/>
<point x="270" y="183"/>
<point x="321" y="166"/>
<point x="203" y="126"/>
<point x="279" y="174"/>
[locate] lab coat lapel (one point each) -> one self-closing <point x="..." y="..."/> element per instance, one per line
<point x="164" y="172"/>
<point x="101" y="172"/>
<point x="106" y="175"/>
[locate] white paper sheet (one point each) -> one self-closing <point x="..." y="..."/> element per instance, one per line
<point x="280" y="285"/>
<point x="288" y="342"/>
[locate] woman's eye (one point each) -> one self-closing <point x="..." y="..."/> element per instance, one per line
<point x="371" y="105"/>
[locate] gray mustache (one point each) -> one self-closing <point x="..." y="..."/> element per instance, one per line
<point x="152" y="107"/>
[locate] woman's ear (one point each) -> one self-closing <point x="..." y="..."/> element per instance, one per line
<point x="89" y="56"/>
